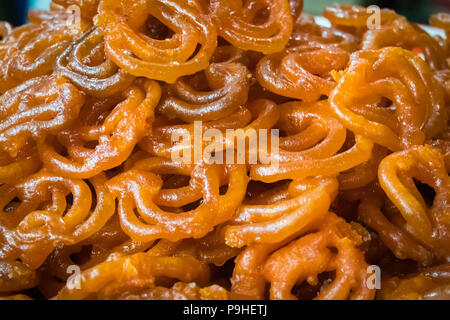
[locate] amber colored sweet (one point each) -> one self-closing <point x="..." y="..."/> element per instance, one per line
<point x="125" y="121"/>
<point x="166" y="59"/>
<point x="419" y="111"/>
<point x="237" y="23"/>
<point x="31" y="50"/>
<point x="85" y="63"/>
<point x="94" y="95"/>
<point x="430" y="284"/>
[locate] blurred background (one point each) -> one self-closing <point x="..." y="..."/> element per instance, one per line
<point x="416" y="10"/>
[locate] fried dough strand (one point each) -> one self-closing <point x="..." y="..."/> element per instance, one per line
<point x="223" y="150"/>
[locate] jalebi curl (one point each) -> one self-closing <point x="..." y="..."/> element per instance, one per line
<point x="14" y="168"/>
<point x="225" y="150"/>
<point x="261" y="193"/>
<point x="15" y="276"/>
<point x="311" y="255"/>
<point x="442" y="20"/>
<point x="88" y="8"/>
<point x="226" y="54"/>
<point x="137" y="189"/>
<point x="194" y="145"/>
<point x="394" y="236"/>
<point x="429" y="224"/>
<point x="308" y="33"/>
<point x="308" y="203"/>
<point x="177" y="196"/>
<point x="123" y="121"/>
<point x="31" y="50"/>
<point x="305" y="259"/>
<point x="312" y="147"/>
<point x="430" y="284"/>
<point x="160" y="141"/>
<point x="241" y="23"/>
<point x="418" y="108"/>
<point x="229" y="84"/>
<point x="160" y="59"/>
<point x="125" y="276"/>
<point x="356" y="16"/>
<point x="443" y="78"/>
<point x="109" y="243"/>
<point x="443" y="145"/>
<point x="42" y="217"/>
<point x="247" y="279"/>
<point x="443" y="141"/>
<point x="85" y="64"/>
<point x="296" y="8"/>
<point x="210" y="249"/>
<point x="35" y="109"/>
<point x="301" y="73"/>
<point x="404" y="34"/>
<point x="308" y="130"/>
<point x="364" y="174"/>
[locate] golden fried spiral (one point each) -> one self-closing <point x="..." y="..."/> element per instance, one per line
<point x="32" y="228"/>
<point x="243" y="24"/>
<point x="229" y="83"/>
<point x="166" y="59"/>
<point x="35" y="109"/>
<point x="414" y="99"/>
<point x="125" y="121"/>
<point x="429" y="225"/>
<point x="301" y="73"/>
<point x="31" y="50"/>
<point x="223" y="150"/>
<point x="85" y="64"/>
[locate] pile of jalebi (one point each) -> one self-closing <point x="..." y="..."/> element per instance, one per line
<point x="94" y="205"/>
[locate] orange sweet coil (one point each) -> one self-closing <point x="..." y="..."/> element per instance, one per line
<point x="223" y="150"/>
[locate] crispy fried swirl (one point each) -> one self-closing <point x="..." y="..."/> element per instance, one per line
<point x="414" y="109"/>
<point x="35" y="109"/>
<point x="428" y="224"/>
<point x="42" y="218"/>
<point x="31" y="50"/>
<point x="166" y="59"/>
<point x="295" y="261"/>
<point x="136" y="189"/>
<point x="223" y="150"/>
<point x="229" y="83"/>
<point x="85" y="64"/>
<point x="257" y="25"/>
<point x="405" y="35"/>
<point x="125" y="121"/>
<point x="301" y="73"/>
<point x="355" y="16"/>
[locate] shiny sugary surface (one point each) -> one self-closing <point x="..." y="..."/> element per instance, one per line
<point x="88" y="108"/>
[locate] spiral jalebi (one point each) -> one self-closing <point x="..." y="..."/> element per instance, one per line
<point x="125" y="121"/>
<point x="31" y="50"/>
<point x="223" y="150"/>
<point x="396" y="108"/>
<point x="166" y="59"/>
